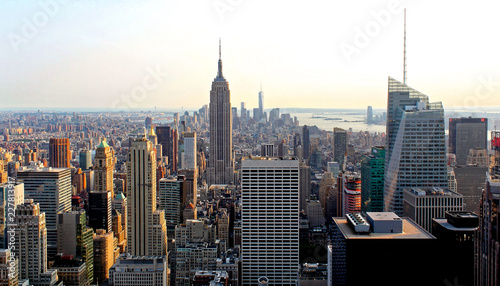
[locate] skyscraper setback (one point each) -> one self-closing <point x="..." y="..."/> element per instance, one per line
<point x="221" y="164"/>
<point x="416" y="150"/>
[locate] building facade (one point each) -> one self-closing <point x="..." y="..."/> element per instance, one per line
<point x="372" y="180"/>
<point x="467" y="133"/>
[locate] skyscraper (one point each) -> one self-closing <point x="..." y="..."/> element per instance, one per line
<point x="372" y="180"/>
<point x="339" y="145"/>
<point x="100" y="210"/>
<point x="104" y="164"/>
<point x="55" y="197"/>
<point x="416" y="150"/>
<point x="170" y="201"/>
<point x="104" y="254"/>
<point x="270" y="234"/>
<point x="59" y="153"/>
<point x="465" y="134"/>
<point x="351" y="189"/>
<point x="164" y="137"/>
<point x="85" y="159"/>
<point x="189" y="159"/>
<point x="120" y="204"/>
<point x="261" y="103"/>
<point x="141" y="197"/>
<point x="369" y="115"/>
<point x="221" y="164"/>
<point x="487" y="253"/>
<point x="30" y="242"/>
<point x="306" y="143"/>
<point x="75" y="238"/>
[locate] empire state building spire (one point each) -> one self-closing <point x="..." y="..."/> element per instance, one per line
<point x="219" y="72"/>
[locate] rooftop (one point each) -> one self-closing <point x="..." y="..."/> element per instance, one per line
<point x="410" y="231"/>
<point x="431" y="191"/>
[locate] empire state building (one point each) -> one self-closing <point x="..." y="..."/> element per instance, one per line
<point x="221" y="164"/>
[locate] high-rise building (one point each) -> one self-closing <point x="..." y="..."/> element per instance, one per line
<point x="100" y="210"/>
<point x="243" y="110"/>
<point x="191" y="258"/>
<point x="369" y="115"/>
<point x="189" y="158"/>
<point x="339" y="145"/>
<point x="55" y="197"/>
<point x="416" y="150"/>
<point x="164" y="137"/>
<point x="59" y="153"/>
<point x="467" y="133"/>
<point x="351" y="189"/>
<point x="223" y="225"/>
<point x="71" y="271"/>
<point x="75" y="238"/>
<point x="139" y="270"/>
<point x="363" y="248"/>
<point x="487" y="253"/>
<point x="120" y="204"/>
<point x="306" y="143"/>
<point x="221" y="164"/>
<point x="270" y="234"/>
<point x="267" y="150"/>
<point x="190" y="185"/>
<point x="424" y="204"/>
<point x="30" y="240"/>
<point x="118" y="230"/>
<point x="304" y="185"/>
<point x="104" y="255"/>
<point x="470" y="184"/>
<point x="9" y="275"/>
<point x="85" y="159"/>
<point x="104" y="164"/>
<point x="372" y="180"/>
<point x="170" y="201"/>
<point x="11" y="195"/>
<point x="261" y="103"/>
<point x="456" y="237"/>
<point x="141" y="199"/>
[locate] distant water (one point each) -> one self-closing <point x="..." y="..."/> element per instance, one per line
<point x="356" y="118"/>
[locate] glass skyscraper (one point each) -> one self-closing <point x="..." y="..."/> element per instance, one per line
<point x="372" y="180"/>
<point x="416" y="148"/>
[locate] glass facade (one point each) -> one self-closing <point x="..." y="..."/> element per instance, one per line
<point x="372" y="180"/>
<point x="416" y="148"/>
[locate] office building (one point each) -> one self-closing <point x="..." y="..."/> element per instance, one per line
<point x="74" y="238"/>
<point x="104" y="254"/>
<point x="104" y="164"/>
<point x="100" y="210"/>
<point x="456" y="236"/>
<point x="164" y="137"/>
<point x="191" y="258"/>
<point x="487" y="252"/>
<point x="189" y="157"/>
<point x="467" y="133"/>
<point x="11" y="195"/>
<point x="194" y="231"/>
<point x="30" y="243"/>
<point x="261" y="103"/>
<point x="306" y="143"/>
<point x="243" y="111"/>
<point x="270" y="235"/>
<point x="221" y="164"/>
<point x="132" y="270"/>
<point x="223" y="225"/>
<point x="372" y="180"/>
<point x="304" y="185"/>
<point x="478" y="156"/>
<point x="424" y="204"/>
<point x="59" y="153"/>
<point x="120" y="205"/>
<point x="190" y="186"/>
<point x="375" y="251"/>
<point x="470" y="184"/>
<point x="351" y="189"/>
<point x="141" y="200"/>
<point x="85" y="159"/>
<point x="169" y="200"/>
<point x="55" y="198"/>
<point x="339" y="145"/>
<point x="267" y="150"/>
<point x="71" y="271"/>
<point x="369" y="115"/>
<point x="416" y="151"/>
<point x="118" y="230"/>
<point x="9" y="275"/>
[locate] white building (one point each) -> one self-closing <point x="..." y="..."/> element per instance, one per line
<point x="131" y="270"/>
<point x="188" y="160"/>
<point x="270" y="220"/>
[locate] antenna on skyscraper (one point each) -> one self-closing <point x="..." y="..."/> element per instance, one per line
<point x="219" y="50"/>
<point x="404" y="52"/>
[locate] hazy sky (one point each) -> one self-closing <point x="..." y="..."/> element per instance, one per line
<point x="328" y="54"/>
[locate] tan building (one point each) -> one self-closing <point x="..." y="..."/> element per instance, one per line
<point x="8" y="274"/>
<point x="104" y="164"/>
<point x="223" y="225"/>
<point x="118" y="230"/>
<point x="103" y="255"/>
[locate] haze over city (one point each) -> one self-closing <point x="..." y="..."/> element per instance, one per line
<point x="335" y="54"/>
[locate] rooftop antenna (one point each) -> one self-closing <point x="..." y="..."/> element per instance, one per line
<point x="404" y="52"/>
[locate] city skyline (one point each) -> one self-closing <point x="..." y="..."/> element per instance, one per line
<point x="90" y="54"/>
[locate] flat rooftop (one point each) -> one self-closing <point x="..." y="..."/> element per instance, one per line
<point x="383" y="216"/>
<point x="410" y="231"/>
<point x="431" y="191"/>
<point x="444" y="222"/>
